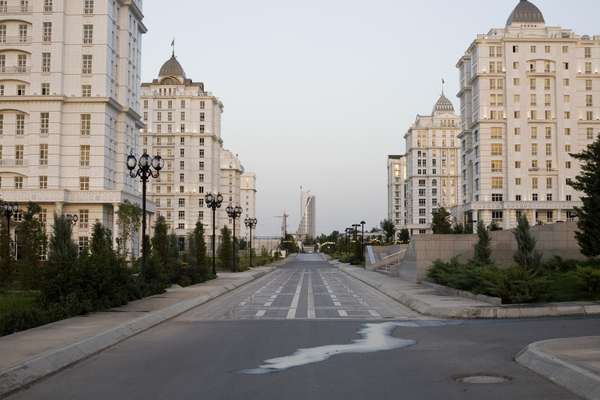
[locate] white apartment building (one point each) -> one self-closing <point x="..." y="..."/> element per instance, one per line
<point x="432" y="166"/>
<point x="248" y="202"/>
<point x="183" y="125"/>
<point x="530" y="95"/>
<point x="231" y="182"/>
<point x="396" y="166"/>
<point x="69" y="106"/>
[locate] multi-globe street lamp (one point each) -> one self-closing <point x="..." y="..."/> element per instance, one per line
<point x="213" y="202"/>
<point x="146" y="167"/>
<point x="250" y="224"/>
<point x="348" y="233"/>
<point x="8" y="210"/>
<point x="234" y="213"/>
<point x="72" y="218"/>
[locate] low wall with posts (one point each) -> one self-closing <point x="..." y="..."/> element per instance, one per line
<point x="552" y="240"/>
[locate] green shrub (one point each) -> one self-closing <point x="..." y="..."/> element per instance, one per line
<point x="590" y="281"/>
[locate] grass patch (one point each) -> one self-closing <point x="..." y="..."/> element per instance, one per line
<point x="20" y="310"/>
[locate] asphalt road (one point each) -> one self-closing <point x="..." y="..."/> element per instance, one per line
<point x="207" y="352"/>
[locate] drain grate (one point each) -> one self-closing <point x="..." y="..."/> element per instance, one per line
<point x="482" y="379"/>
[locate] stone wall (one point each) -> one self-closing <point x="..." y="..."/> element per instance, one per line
<point x="552" y="240"/>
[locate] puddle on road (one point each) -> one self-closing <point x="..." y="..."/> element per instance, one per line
<point x="375" y="337"/>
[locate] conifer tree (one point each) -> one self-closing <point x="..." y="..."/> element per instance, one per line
<point x="526" y="255"/>
<point x="440" y="224"/>
<point x="483" y="251"/>
<point x="588" y="183"/>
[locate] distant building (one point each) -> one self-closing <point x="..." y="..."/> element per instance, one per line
<point x="231" y="182"/>
<point x="307" y="227"/>
<point x="70" y="107"/>
<point x="183" y="125"/>
<point x="530" y="96"/>
<point x="396" y="166"/>
<point x="432" y="166"/>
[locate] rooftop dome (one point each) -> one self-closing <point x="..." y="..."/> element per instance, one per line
<point x="443" y="105"/>
<point x="526" y="13"/>
<point x="172" y="68"/>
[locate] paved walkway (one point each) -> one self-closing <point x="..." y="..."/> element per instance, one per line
<point x="34" y="353"/>
<point x="572" y="362"/>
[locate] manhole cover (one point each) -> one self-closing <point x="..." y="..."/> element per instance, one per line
<point x="483" y="379"/>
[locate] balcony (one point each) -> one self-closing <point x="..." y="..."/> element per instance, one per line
<point x="15" y="40"/>
<point x="14" y="70"/>
<point x="12" y="163"/>
<point x="8" y="10"/>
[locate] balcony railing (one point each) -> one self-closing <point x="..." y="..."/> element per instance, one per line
<point x="15" y="40"/>
<point x="15" y="10"/>
<point x="12" y="163"/>
<point x="15" y="70"/>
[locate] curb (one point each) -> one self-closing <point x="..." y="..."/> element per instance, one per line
<point x="576" y="379"/>
<point x="54" y="360"/>
<point x="480" y="312"/>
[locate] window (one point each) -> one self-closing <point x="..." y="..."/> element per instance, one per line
<point x="201" y="165"/>
<point x="88" y="6"/>
<point x="181" y="152"/>
<point x="534" y="197"/>
<point x="567" y="131"/>
<point x="84" y="219"/>
<point x="1" y="90"/>
<point x="589" y="100"/>
<point x="1" y="124"/>
<point x="46" y="57"/>
<point x="568" y="164"/>
<point x="497" y="182"/>
<point x="83" y="244"/>
<point x="45" y="89"/>
<point x="496" y="165"/>
<point x="201" y="153"/>
<point x="497" y="197"/>
<point x="548" y="183"/>
<point x="588" y="84"/>
<point x="532" y="84"/>
<point x="19" y="151"/>
<point x="534" y="164"/>
<point x="21" y="90"/>
<point x="517" y="164"/>
<point x="517" y="148"/>
<point x="496" y="149"/>
<point x="86" y="64"/>
<point x="23" y="38"/>
<point x="496" y="133"/>
<point x="18" y="182"/>
<point x="86" y="90"/>
<point x="44" y="123"/>
<point x="2" y="63"/>
<point x="588" y="67"/>
<point x="44" y="154"/>
<point x="549" y="165"/>
<point x="566" y="82"/>
<point x="88" y="34"/>
<point x="84" y="183"/>
<point x="590" y="133"/>
<point x="84" y="155"/>
<point x="497" y="216"/>
<point x="548" y="149"/>
<point x="43" y="182"/>
<point x="518" y="181"/>
<point x="534" y="149"/>
<point x="47" y="32"/>
<point x="534" y="183"/>
<point x="47" y="5"/>
<point x="20" y="125"/>
<point x="86" y="124"/>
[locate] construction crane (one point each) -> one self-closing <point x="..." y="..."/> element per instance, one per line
<point x="284" y="218"/>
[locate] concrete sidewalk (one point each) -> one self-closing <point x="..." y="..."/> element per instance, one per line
<point x="429" y="301"/>
<point x="573" y="363"/>
<point x="32" y="354"/>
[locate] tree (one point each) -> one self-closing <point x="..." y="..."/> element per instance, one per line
<point x="226" y="249"/>
<point x="6" y="261"/>
<point x="130" y="219"/>
<point x="389" y="229"/>
<point x="483" y="251"/>
<point x="160" y="241"/>
<point x="458" y="229"/>
<point x="62" y="279"/>
<point x="289" y="244"/>
<point x="526" y="255"/>
<point x="196" y="255"/>
<point x="440" y="224"/>
<point x="173" y="266"/>
<point x="404" y="236"/>
<point x="32" y="238"/>
<point x="588" y="183"/>
<point x="494" y="227"/>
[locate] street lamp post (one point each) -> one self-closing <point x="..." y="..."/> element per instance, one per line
<point x="250" y="224"/>
<point x="213" y="202"/>
<point x="234" y="213"/>
<point x="348" y="233"/>
<point x="72" y="218"/>
<point x="145" y="168"/>
<point x="362" y="239"/>
<point x="8" y="210"/>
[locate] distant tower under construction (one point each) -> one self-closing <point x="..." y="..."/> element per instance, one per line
<point x="308" y="209"/>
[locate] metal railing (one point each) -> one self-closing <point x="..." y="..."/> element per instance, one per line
<point x="15" y="39"/>
<point x="15" y="70"/>
<point x="5" y="9"/>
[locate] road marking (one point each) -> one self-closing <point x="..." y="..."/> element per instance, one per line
<point x="269" y="304"/>
<point x="311" y="299"/>
<point x="294" y="306"/>
<point x="374" y="314"/>
<point x="261" y="313"/>
<point x="273" y="297"/>
<point x="342" y="313"/>
<point x="243" y="303"/>
<point x="337" y="303"/>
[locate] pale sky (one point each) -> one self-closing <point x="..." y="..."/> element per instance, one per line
<point x="317" y="93"/>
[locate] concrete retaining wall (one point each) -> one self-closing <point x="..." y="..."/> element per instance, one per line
<point x="552" y="240"/>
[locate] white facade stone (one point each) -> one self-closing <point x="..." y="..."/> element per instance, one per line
<point x="396" y="166"/>
<point x="248" y="202"/>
